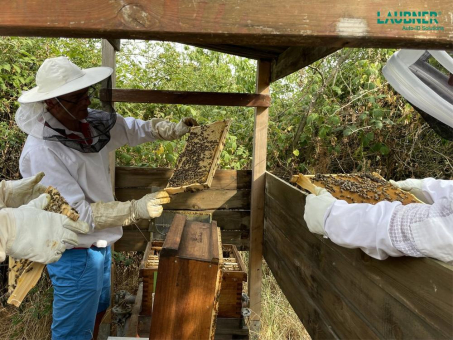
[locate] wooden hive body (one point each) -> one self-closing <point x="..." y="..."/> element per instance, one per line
<point x="148" y="273"/>
<point x="233" y="276"/>
<point x="188" y="282"/>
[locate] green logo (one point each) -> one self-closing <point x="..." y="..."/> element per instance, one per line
<point x="408" y="18"/>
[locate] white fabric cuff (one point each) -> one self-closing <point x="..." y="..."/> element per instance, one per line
<point x="363" y="226"/>
<point x="433" y="237"/>
<point x="316" y="211"/>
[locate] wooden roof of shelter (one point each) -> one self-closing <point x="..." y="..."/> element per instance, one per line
<point x="291" y="33"/>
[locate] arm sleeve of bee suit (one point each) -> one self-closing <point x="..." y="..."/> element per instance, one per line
<point x="362" y="225"/>
<point x="3" y="194"/>
<point x="132" y="132"/>
<point x="427" y="190"/>
<point x="112" y="214"/>
<point x="424" y="230"/>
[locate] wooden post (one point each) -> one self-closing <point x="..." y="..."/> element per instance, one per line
<point x="257" y="195"/>
<point x="108" y="59"/>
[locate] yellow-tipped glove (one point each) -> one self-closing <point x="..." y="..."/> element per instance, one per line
<point x="114" y="214"/>
<point x="166" y="130"/>
<point x="316" y="207"/>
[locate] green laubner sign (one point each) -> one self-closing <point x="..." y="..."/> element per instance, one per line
<point x="411" y="20"/>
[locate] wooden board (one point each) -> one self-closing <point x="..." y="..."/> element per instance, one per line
<point x="343" y="293"/>
<point x="294" y="23"/>
<point x="228" y="200"/>
<point x="197" y="163"/>
<point x="356" y="188"/>
<point x="200" y="200"/>
<point x="188" y="282"/>
<point x="257" y="195"/>
<point x="139" y="177"/>
<point x="189" y="98"/>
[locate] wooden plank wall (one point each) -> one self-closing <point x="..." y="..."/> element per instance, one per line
<point x="228" y="200"/>
<point x="343" y="293"/>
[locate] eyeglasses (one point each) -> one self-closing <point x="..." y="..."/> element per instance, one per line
<point x="90" y="93"/>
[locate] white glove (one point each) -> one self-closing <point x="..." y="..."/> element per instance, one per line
<point x="414" y="186"/>
<point x="28" y="232"/>
<point x="166" y="130"/>
<point x="22" y="191"/>
<point x="114" y="214"/>
<point x="316" y="208"/>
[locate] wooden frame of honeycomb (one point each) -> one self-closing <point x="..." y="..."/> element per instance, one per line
<point x="196" y="165"/>
<point x="355" y="188"/>
<point x="24" y="274"/>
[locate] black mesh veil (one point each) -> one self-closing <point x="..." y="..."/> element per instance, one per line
<point x="96" y="127"/>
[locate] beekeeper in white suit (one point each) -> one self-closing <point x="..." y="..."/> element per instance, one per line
<point x="389" y="228"/>
<point x="71" y="143"/>
<point x="29" y="232"/>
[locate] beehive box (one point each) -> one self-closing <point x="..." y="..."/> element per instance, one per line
<point x="196" y="165"/>
<point x="188" y="282"/>
<point x="148" y="274"/>
<point x="233" y="276"/>
<point x="356" y="188"/>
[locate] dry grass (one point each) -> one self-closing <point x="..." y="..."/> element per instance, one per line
<point x="278" y="319"/>
<point x="33" y="319"/>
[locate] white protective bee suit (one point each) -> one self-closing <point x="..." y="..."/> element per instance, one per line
<point x="84" y="179"/>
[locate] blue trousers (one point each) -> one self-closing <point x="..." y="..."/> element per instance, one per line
<point x="81" y="282"/>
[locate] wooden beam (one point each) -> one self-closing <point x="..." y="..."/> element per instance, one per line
<point x="337" y="23"/>
<point x="295" y="58"/>
<point x="189" y="98"/>
<point x="116" y="44"/>
<point x="252" y="52"/>
<point x="257" y="195"/>
<point x="109" y="59"/>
